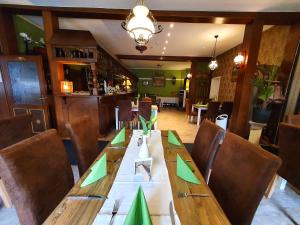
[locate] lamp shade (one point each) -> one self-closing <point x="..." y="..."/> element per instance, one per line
<point x="66" y="86"/>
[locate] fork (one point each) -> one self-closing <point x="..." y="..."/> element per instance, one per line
<point x="114" y="212"/>
<point x="185" y="195"/>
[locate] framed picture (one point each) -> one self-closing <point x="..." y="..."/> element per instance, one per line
<point x="146" y="83"/>
<point x="158" y="81"/>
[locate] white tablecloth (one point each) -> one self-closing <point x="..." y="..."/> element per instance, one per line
<point x="158" y="192"/>
<point x="169" y="100"/>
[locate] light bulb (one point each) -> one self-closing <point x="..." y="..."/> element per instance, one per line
<point x="213" y="64"/>
<point x="239" y="59"/>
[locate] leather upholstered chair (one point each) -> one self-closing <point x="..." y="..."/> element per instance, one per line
<point x="206" y="146"/>
<point x="289" y="152"/>
<point x="212" y="111"/>
<point x="85" y="142"/>
<point x="37" y="175"/>
<point x="15" y="129"/>
<point x="145" y="109"/>
<point x="240" y="176"/>
<point x="293" y="119"/>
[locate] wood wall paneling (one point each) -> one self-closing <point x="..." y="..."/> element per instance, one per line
<point x="243" y="93"/>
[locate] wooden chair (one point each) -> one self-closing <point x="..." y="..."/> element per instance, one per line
<point x="188" y="110"/>
<point x="145" y="109"/>
<point x="240" y="176"/>
<point x="147" y="99"/>
<point x="125" y="112"/>
<point x="206" y="146"/>
<point x="13" y="130"/>
<point x="293" y="119"/>
<point x="85" y="142"/>
<point x="37" y="175"/>
<point x="212" y="111"/>
<point x="289" y="152"/>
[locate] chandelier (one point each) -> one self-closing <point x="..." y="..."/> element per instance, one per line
<point x="141" y="25"/>
<point x="213" y="64"/>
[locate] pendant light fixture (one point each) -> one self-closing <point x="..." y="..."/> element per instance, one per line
<point x="213" y="64"/>
<point x="141" y="25"/>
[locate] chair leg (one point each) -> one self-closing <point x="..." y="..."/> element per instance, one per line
<point x="4" y="195"/>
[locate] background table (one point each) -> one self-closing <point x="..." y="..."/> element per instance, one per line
<point x="200" y="108"/>
<point x="191" y="211"/>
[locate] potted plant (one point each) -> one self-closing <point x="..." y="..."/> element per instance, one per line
<point x="264" y="89"/>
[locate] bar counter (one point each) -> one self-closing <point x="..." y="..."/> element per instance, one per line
<point x="100" y="108"/>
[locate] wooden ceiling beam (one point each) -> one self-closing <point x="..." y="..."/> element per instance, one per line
<point x="268" y="18"/>
<point x="164" y="58"/>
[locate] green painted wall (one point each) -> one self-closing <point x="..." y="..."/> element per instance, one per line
<point x="32" y="31"/>
<point x="169" y="89"/>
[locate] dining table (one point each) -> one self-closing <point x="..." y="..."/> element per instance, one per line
<point x="190" y="210"/>
<point x="200" y="108"/>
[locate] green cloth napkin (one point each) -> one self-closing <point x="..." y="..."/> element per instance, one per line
<point x="98" y="170"/>
<point x="139" y="212"/>
<point x="173" y="139"/>
<point x="151" y="122"/>
<point x="183" y="170"/>
<point x="119" y="138"/>
<point x="144" y="125"/>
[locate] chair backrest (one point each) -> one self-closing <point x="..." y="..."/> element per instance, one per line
<point x="15" y="129"/>
<point x="206" y="145"/>
<point x="289" y="152"/>
<point x="212" y="111"/>
<point x="37" y="175"/>
<point x="145" y="109"/>
<point x="188" y="106"/>
<point x="147" y="99"/>
<point x="240" y="176"/>
<point x="293" y="119"/>
<point x="227" y="108"/>
<point x="85" y="142"/>
<point x="125" y="112"/>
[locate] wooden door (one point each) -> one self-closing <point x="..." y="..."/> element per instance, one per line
<point x="25" y="88"/>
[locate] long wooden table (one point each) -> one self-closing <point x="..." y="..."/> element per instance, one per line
<point x="191" y="211"/>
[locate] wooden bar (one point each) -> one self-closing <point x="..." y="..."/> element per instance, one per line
<point x="191" y="211"/>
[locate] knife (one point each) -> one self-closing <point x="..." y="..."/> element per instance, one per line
<point x="172" y="213"/>
<point x="87" y="197"/>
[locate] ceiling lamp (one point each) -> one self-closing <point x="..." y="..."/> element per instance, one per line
<point x="213" y="64"/>
<point x="141" y="25"/>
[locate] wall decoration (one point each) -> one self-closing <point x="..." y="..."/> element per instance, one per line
<point x="159" y="81"/>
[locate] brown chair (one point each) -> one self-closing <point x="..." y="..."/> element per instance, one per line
<point x="147" y="99"/>
<point x="188" y="110"/>
<point x="85" y="142"/>
<point x="37" y="175"/>
<point x="125" y="112"/>
<point x="212" y="111"/>
<point x="145" y="109"/>
<point x="293" y="119"/>
<point x="240" y="176"/>
<point x="289" y="152"/>
<point x="206" y="145"/>
<point x="15" y="129"/>
<point x="227" y="108"/>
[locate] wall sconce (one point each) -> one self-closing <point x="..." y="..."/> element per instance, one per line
<point x="66" y="86"/>
<point x="239" y="60"/>
<point x="189" y="75"/>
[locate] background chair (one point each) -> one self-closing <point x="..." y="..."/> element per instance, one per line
<point x="125" y="112"/>
<point x="240" y="176"/>
<point x="206" y="145"/>
<point x="188" y="110"/>
<point x="13" y="130"/>
<point x="289" y="152"/>
<point x="212" y="111"/>
<point x="293" y="119"/>
<point x="37" y="175"/>
<point x="145" y="109"/>
<point x="85" y="142"/>
<point x="227" y="108"/>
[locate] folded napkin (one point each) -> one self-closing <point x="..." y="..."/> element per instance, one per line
<point x="119" y="138"/>
<point x="184" y="171"/>
<point x="139" y="212"/>
<point x="173" y="139"/>
<point x="144" y="125"/>
<point x="98" y="170"/>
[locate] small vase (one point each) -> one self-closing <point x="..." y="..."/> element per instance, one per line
<point x="144" y="152"/>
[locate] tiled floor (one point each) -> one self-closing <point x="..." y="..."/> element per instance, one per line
<point x="282" y="209"/>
